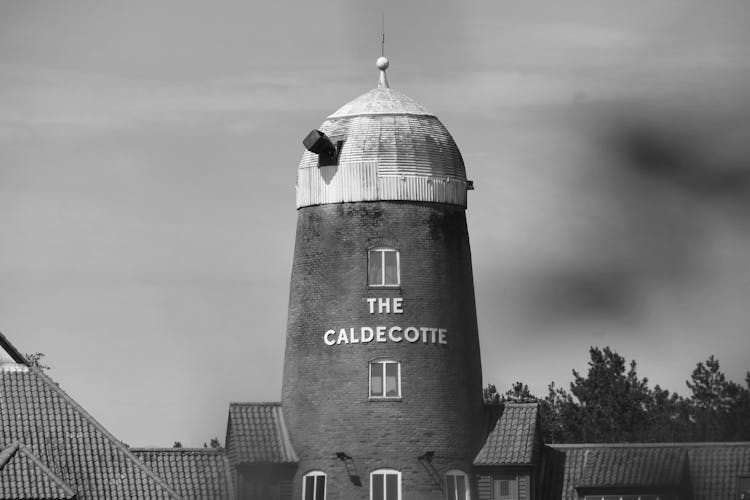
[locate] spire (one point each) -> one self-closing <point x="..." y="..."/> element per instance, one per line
<point x="382" y="64"/>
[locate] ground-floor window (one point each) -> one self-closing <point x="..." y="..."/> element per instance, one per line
<point x="314" y="486"/>
<point x="505" y="488"/>
<point x="456" y="485"/>
<point x="385" y="484"/>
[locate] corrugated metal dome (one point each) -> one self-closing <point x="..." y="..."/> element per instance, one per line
<point x="389" y="147"/>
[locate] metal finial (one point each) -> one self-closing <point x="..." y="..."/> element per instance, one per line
<point x="382" y="64"/>
<point x="382" y="61"/>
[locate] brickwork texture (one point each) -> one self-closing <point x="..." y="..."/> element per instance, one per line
<point x="325" y="395"/>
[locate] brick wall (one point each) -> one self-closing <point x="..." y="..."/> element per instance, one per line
<point x="325" y="388"/>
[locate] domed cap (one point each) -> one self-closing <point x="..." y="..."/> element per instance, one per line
<point x="382" y="145"/>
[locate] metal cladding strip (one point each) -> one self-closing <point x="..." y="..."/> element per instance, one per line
<point x="415" y="188"/>
<point x="337" y="184"/>
<point x="359" y="182"/>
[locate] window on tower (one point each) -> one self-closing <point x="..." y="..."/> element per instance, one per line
<point x="314" y="486"/>
<point x="385" y="379"/>
<point x="383" y="268"/>
<point x="456" y="485"/>
<point x="385" y="484"/>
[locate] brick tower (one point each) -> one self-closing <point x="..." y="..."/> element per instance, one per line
<point x="382" y="375"/>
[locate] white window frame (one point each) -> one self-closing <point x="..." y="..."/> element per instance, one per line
<point x="384" y="362"/>
<point x="316" y="474"/>
<point x="382" y="251"/>
<point x="386" y="471"/>
<point x="458" y="473"/>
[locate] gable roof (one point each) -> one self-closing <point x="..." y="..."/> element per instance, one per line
<point x="515" y="439"/>
<point x="711" y="469"/>
<point x="68" y="441"/>
<point x="199" y="473"/>
<point x="256" y="434"/>
<point x="23" y="475"/>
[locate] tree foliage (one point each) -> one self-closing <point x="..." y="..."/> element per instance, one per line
<point x="35" y="359"/>
<point x="214" y="443"/>
<point x="610" y="403"/>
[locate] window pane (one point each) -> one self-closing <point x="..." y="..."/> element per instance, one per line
<point x="377" y="487"/>
<point x="451" y="486"/>
<point x="504" y="488"/>
<point x="309" y="488"/>
<point x="460" y="488"/>
<point x="376" y="379"/>
<point x="320" y="488"/>
<point x="375" y="268"/>
<point x="391" y="267"/>
<point x="391" y="379"/>
<point x="391" y="486"/>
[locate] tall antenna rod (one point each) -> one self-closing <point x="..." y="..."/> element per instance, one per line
<point x="382" y="33"/>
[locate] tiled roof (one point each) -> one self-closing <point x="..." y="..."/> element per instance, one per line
<point x="633" y="466"/>
<point x="82" y="453"/>
<point x="23" y="475"/>
<point x="195" y="473"/>
<point x="256" y="433"/>
<point x="713" y="468"/>
<point x="514" y="440"/>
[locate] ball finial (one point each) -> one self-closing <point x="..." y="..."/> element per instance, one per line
<point x="382" y="63"/>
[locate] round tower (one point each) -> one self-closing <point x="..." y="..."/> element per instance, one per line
<point x="382" y="374"/>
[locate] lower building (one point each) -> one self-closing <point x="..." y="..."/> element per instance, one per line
<point x="51" y="448"/>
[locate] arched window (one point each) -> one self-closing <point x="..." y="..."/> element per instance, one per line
<point x="385" y="378"/>
<point x="314" y="486"/>
<point x="383" y="267"/>
<point x="456" y="485"/>
<point x="385" y="484"/>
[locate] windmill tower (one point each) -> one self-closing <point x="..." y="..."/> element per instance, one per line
<point x="382" y="375"/>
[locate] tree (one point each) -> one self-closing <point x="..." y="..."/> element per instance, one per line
<point x="720" y="408"/>
<point x="490" y="395"/>
<point x="612" y="404"/>
<point x="177" y="444"/>
<point x="519" y="393"/>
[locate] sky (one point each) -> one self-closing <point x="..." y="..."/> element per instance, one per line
<point x="148" y="154"/>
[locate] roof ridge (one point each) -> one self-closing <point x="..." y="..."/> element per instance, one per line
<point x="286" y="441"/>
<point x="686" y="444"/>
<point x="255" y="403"/>
<point x="49" y="472"/>
<point x="11" y="349"/>
<point x="7" y="453"/>
<point x="91" y="420"/>
<point x="155" y="449"/>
